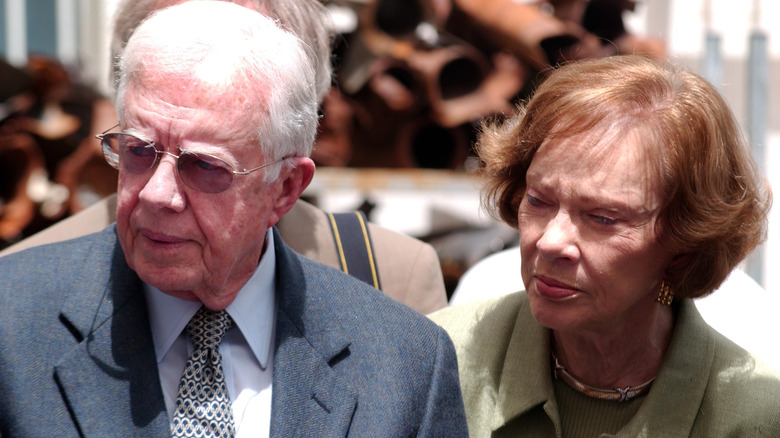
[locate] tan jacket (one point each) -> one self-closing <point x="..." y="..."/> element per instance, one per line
<point x="707" y="385"/>
<point x="409" y="269"/>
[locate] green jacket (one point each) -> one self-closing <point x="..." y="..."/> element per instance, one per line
<point x="707" y="386"/>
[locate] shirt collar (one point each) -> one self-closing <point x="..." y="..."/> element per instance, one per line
<point x="253" y="310"/>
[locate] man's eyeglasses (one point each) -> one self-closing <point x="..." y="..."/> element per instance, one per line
<point x="197" y="170"/>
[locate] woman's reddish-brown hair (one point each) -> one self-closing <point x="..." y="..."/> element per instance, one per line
<point x="715" y="200"/>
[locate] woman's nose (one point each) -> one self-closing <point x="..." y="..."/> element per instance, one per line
<point x="559" y="238"/>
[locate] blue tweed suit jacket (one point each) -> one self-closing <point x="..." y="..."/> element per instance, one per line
<point x="76" y="354"/>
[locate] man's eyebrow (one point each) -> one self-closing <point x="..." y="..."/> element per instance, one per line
<point x="135" y="133"/>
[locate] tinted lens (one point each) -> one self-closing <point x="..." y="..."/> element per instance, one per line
<point x="128" y="153"/>
<point x="110" y="150"/>
<point x="204" y="172"/>
<point x="137" y="159"/>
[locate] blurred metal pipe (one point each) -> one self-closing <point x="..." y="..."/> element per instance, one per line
<point x="758" y="95"/>
<point x="398" y="18"/>
<point x="457" y="82"/>
<point x="758" y="108"/>
<point x="463" y="85"/>
<point x="451" y="71"/>
<point x="400" y="87"/>
<point x="67" y="31"/>
<point x="16" y="32"/>
<point x="428" y="145"/>
<point x="712" y="64"/>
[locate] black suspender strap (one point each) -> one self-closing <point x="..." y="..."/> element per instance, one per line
<point x="353" y="245"/>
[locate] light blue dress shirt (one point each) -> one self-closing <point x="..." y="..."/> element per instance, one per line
<point x="247" y="353"/>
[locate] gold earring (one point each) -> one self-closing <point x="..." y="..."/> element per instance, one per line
<point x="665" y="295"/>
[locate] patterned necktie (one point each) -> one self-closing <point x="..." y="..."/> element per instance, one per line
<point x="203" y="405"/>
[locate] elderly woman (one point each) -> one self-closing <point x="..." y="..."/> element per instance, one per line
<point x="633" y="192"/>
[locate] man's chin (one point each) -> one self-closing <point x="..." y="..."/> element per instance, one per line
<point x="181" y="294"/>
<point x="174" y="281"/>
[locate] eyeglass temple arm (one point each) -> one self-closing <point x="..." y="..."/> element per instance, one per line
<point x="103" y="134"/>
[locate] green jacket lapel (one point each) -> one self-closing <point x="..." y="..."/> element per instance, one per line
<point x="672" y="405"/>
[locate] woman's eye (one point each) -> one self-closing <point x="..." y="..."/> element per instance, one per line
<point x="534" y="200"/>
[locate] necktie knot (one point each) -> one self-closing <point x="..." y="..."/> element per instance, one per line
<point x="207" y="328"/>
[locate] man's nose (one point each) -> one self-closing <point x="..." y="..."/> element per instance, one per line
<point x="164" y="188"/>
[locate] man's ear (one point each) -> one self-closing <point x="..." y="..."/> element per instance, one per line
<point x="294" y="177"/>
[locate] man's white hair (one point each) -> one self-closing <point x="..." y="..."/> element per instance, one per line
<point x="308" y="19"/>
<point x="223" y="46"/>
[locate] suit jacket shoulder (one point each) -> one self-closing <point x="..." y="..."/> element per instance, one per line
<point x="350" y="360"/>
<point x="90" y="220"/>
<point x="409" y="269"/>
<point x="76" y="342"/>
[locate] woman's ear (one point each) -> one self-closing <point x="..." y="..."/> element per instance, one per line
<point x="678" y="260"/>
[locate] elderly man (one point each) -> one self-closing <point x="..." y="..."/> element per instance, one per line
<point x="406" y="269"/>
<point x="191" y="316"/>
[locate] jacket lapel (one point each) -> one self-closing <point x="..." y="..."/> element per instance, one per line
<point x="309" y="397"/>
<point x="109" y="377"/>
<point x="673" y="402"/>
<point x="526" y="366"/>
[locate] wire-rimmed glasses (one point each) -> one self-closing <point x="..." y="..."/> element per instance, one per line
<point x="197" y="170"/>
